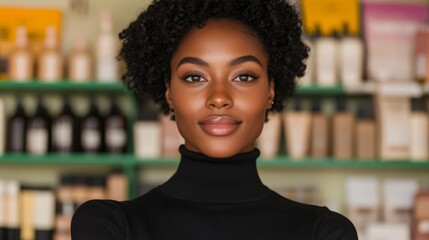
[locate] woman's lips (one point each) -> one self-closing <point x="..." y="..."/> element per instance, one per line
<point x="220" y="125"/>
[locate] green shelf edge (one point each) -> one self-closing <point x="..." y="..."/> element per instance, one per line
<point x="74" y="159"/>
<point x="63" y="85"/>
<point x="278" y="162"/>
<point x="320" y="90"/>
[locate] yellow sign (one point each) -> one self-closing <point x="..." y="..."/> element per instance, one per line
<point x="331" y="15"/>
<point x="34" y="19"/>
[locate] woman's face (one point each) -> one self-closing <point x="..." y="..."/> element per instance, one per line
<point x="219" y="88"/>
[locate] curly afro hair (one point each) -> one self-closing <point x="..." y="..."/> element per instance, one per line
<point x="150" y="41"/>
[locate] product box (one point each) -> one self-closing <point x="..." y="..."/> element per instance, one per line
<point x="393" y="125"/>
<point x="331" y="15"/>
<point x="363" y="201"/>
<point x="36" y="20"/>
<point x="390" y="30"/>
<point x="398" y="200"/>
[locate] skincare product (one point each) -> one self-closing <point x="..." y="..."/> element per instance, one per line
<point x="343" y="126"/>
<point x="107" y="66"/>
<point x="393" y="116"/>
<point x="171" y="137"/>
<point x="21" y="59"/>
<point x="419" y="131"/>
<point x="326" y="55"/>
<point x="147" y="135"/>
<point x="366" y="134"/>
<point x="420" y="226"/>
<point x="398" y="200"/>
<point x="351" y="58"/>
<point x="363" y="202"/>
<point x="297" y="131"/>
<point x="319" y="143"/>
<point x="268" y="141"/>
<point x="80" y="63"/>
<point x="421" y="56"/>
<point x="117" y="186"/>
<point x="388" y="231"/>
<point x="50" y="61"/>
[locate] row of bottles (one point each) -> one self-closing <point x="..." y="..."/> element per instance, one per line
<point x="67" y="132"/>
<point x="45" y="213"/>
<point x="81" y="65"/>
<point x="344" y="135"/>
<point x="333" y="58"/>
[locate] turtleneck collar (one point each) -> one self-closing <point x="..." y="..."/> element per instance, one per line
<point x="223" y="180"/>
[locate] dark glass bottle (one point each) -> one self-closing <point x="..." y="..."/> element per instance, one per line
<point x="115" y="130"/>
<point x="17" y="128"/>
<point x="91" y="130"/>
<point x="38" y="133"/>
<point x="64" y="130"/>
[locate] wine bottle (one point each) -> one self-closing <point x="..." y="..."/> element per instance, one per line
<point x="63" y="130"/>
<point x="91" y="137"/>
<point x="38" y="133"/>
<point x="115" y="130"/>
<point x="17" y="127"/>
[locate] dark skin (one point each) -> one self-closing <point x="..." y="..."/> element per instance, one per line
<point x="219" y="88"/>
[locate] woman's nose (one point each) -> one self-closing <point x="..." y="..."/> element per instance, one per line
<point x="219" y="97"/>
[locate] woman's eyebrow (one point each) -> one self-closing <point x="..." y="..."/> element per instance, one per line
<point x="247" y="58"/>
<point x="236" y="61"/>
<point x="193" y="60"/>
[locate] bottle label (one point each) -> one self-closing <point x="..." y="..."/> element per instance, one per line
<point x="51" y="66"/>
<point x="107" y="70"/>
<point x="62" y="132"/>
<point x="37" y="141"/>
<point x="116" y="136"/>
<point x="81" y="69"/>
<point x="91" y="139"/>
<point x="423" y="227"/>
<point x="22" y="68"/>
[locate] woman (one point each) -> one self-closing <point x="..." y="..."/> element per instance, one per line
<point x="218" y="67"/>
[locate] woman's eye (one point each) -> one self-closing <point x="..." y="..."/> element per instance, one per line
<point x="193" y="78"/>
<point x="245" y="78"/>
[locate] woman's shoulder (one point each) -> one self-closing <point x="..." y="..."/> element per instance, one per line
<point x="99" y="219"/>
<point x="333" y="225"/>
<point x="327" y="224"/>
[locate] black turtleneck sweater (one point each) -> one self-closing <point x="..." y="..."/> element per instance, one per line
<point x="210" y="199"/>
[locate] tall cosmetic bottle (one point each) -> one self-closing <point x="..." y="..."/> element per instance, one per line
<point x="80" y="63"/>
<point x="17" y="128"/>
<point x="351" y="58"/>
<point x="366" y="134"/>
<point x="343" y="124"/>
<point x="12" y="211"/>
<point x="107" y="66"/>
<point x="326" y="51"/>
<point x="269" y="140"/>
<point x="50" y="61"/>
<point x="297" y="128"/>
<point x="147" y="135"/>
<point x="21" y="60"/>
<point x="319" y="131"/>
<point x="44" y="213"/>
<point x="419" y="131"/>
